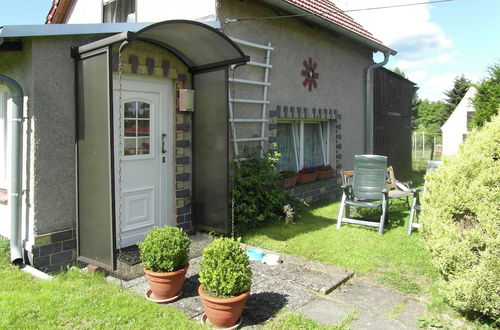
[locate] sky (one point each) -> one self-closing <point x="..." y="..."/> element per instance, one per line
<point x="435" y="42"/>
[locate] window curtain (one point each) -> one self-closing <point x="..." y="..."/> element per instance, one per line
<point x="286" y="148"/>
<point x="116" y="11"/>
<point x="313" y="153"/>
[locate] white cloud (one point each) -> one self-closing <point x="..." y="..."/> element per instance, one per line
<point x="421" y="44"/>
<point x="418" y="75"/>
<point x="434" y="87"/>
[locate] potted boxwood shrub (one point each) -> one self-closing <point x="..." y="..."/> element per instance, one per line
<point x="324" y="171"/>
<point x="225" y="278"/>
<point x="165" y="259"/>
<point x="307" y="174"/>
<point x="288" y="178"/>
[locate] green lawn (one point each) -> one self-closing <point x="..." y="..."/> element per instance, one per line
<point x="76" y="300"/>
<point x="393" y="259"/>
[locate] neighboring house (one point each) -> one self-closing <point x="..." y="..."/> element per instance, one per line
<point x="116" y="102"/>
<point x="455" y="128"/>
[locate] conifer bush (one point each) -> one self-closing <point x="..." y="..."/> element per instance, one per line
<point x="225" y="269"/>
<point x="165" y="249"/>
<point x="461" y="223"/>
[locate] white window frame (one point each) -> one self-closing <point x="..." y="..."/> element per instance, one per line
<point x="151" y="119"/>
<point x="298" y="139"/>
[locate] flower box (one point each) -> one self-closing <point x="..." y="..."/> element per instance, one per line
<point x="288" y="178"/>
<point x="325" y="172"/>
<point x="307" y="175"/>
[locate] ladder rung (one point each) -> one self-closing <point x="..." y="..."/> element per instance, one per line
<point x="250" y="82"/>
<point x="248" y="101"/>
<point x="249" y="139"/>
<point x="251" y="44"/>
<point x="244" y="120"/>
<point x="264" y="65"/>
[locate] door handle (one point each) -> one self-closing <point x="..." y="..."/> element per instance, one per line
<point x="163" y="136"/>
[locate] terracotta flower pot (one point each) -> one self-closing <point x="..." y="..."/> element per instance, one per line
<point x="288" y="182"/>
<point x="166" y="285"/>
<point x="307" y="177"/>
<point x="223" y="312"/>
<point x="325" y="174"/>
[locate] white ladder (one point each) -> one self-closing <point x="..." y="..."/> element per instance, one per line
<point x="263" y="119"/>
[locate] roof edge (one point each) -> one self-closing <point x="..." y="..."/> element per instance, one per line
<point x="58" y="11"/>
<point x="331" y="26"/>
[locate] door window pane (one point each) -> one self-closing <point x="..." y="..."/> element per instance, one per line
<point x="136" y="125"/>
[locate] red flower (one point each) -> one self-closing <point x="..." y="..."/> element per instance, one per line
<point x="310" y="74"/>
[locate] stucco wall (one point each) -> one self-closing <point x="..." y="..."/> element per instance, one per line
<point x="161" y="10"/>
<point x="341" y="67"/>
<point x="54" y="133"/>
<point x="85" y="11"/>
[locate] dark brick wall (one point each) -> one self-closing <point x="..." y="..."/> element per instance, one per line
<point x="318" y="191"/>
<point x="55" y="251"/>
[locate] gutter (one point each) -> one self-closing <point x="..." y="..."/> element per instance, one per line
<point x="369" y="103"/>
<point x="16" y="254"/>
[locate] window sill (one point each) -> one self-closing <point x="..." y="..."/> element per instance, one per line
<point x="3" y="196"/>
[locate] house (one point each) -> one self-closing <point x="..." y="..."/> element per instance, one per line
<point x="107" y="148"/>
<point x="455" y="128"/>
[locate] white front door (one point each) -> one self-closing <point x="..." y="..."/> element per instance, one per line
<point x="144" y="170"/>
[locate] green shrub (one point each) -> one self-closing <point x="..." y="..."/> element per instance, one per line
<point x="225" y="269"/>
<point x="165" y="249"/>
<point x="461" y="221"/>
<point x="257" y="194"/>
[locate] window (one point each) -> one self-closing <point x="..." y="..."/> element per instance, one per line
<point x="137" y="120"/>
<point x="303" y="144"/>
<point x="118" y="11"/>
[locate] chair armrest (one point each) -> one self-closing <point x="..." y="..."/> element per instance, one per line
<point x="416" y="191"/>
<point x="346" y="186"/>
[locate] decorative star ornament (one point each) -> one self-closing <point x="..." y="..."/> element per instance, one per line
<point x="310" y="74"/>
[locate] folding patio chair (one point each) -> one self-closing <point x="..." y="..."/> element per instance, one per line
<point x="415" y="203"/>
<point x="367" y="190"/>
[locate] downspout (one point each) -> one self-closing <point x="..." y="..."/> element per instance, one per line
<point x="369" y="103"/>
<point x="16" y="254"/>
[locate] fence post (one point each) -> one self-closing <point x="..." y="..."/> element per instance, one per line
<point x="423" y="144"/>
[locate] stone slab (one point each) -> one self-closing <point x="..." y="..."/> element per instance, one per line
<point x="315" y="275"/>
<point x="379" y="307"/>
<point x="327" y="312"/>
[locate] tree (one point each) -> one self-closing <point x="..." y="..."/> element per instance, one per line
<point x="487" y="99"/>
<point x="455" y="95"/>
<point x="430" y="115"/>
<point x="400" y="72"/>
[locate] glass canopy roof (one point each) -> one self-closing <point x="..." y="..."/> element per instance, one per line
<point x="199" y="46"/>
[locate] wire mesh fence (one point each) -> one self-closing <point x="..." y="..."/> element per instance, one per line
<point x="425" y="146"/>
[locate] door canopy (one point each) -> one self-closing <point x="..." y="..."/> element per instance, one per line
<point x="199" y="46"/>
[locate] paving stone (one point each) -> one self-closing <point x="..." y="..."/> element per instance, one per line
<point x="372" y="321"/>
<point x="412" y="311"/>
<point x="377" y="306"/>
<point x="317" y="276"/>
<point x="326" y="311"/>
<point x="367" y="297"/>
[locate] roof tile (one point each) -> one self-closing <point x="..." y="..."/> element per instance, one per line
<point x="327" y="10"/>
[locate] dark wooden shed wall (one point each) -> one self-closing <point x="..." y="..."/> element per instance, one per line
<point x="392" y="118"/>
